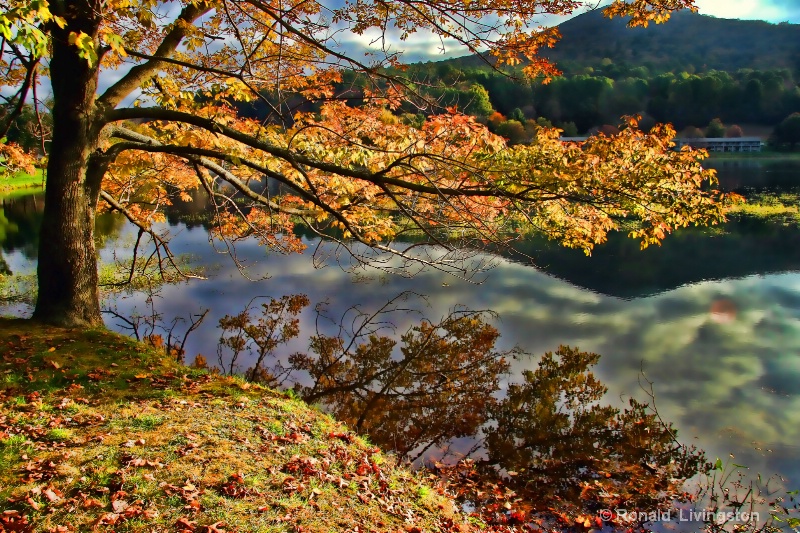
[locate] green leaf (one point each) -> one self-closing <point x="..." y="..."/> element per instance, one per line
<point x="718" y="464"/>
<point x="116" y="43"/>
<point x="85" y="45"/>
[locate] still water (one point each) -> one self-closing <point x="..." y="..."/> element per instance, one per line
<point x="712" y="319"/>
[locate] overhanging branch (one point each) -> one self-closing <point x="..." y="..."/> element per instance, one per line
<point x="159" y="242"/>
<point x="138" y="74"/>
<point x="377" y="178"/>
<point x="201" y="157"/>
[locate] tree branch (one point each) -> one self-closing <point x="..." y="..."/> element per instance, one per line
<point x="377" y="178"/>
<point x="157" y="239"/>
<point x="139" y="74"/>
<point x="200" y="157"/>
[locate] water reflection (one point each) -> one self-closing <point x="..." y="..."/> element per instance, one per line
<point x="713" y="319"/>
<point x="743" y="247"/>
<point x="19" y="224"/>
<point x="545" y="448"/>
<point x="743" y="175"/>
<point x="573" y="454"/>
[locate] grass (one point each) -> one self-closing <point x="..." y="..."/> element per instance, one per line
<point x="98" y="432"/>
<point x="22" y="183"/>
<point x="782" y="207"/>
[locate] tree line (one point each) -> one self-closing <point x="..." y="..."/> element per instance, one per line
<point x="587" y="101"/>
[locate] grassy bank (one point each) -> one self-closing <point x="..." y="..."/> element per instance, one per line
<point x="98" y="432"/>
<point x="22" y="183"/>
<point x="779" y="207"/>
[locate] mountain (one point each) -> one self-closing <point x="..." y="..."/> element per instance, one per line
<point x="688" y="41"/>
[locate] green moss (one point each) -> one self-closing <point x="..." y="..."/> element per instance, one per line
<point x="59" y="435"/>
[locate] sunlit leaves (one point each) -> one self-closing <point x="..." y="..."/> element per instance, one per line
<point x="643" y="12"/>
<point x="85" y="45"/>
<point x="236" y="96"/>
<point x="13" y="159"/>
<point x="21" y="23"/>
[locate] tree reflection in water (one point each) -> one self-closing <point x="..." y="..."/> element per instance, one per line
<point x="545" y="449"/>
<point x="551" y="447"/>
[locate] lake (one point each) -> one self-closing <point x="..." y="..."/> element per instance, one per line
<point x="711" y="318"/>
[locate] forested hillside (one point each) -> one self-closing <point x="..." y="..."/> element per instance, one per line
<point x="688" y="42"/>
<point x="689" y="72"/>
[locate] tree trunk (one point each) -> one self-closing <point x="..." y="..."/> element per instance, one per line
<point x="67" y="270"/>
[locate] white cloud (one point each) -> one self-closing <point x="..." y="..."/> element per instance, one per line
<point x="749" y="9"/>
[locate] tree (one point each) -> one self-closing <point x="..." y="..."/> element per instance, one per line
<point x="715" y="128"/>
<point x="511" y="130"/>
<point x="788" y="131"/>
<point x="518" y="115"/>
<point x="691" y="132"/>
<point x="570" y="129"/>
<point x="479" y="104"/>
<point x="169" y="124"/>
<point x="734" y="131"/>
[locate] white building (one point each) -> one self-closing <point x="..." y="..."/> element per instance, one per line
<point x="722" y="144"/>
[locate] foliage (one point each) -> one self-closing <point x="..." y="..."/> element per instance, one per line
<point x="13" y="160"/>
<point x="782" y="207"/>
<point x="692" y="132"/>
<point x="715" y="128"/>
<point x="433" y="396"/>
<point x="683" y="97"/>
<point x="734" y="131"/>
<point x="512" y="130"/>
<point x="788" y="131"/>
<point x="32" y="128"/>
<point x="344" y="163"/>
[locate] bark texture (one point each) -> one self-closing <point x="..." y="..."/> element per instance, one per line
<point x="67" y="269"/>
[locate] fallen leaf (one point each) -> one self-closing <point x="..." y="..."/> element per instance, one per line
<point x="214" y="528"/>
<point x="185" y="523"/>
<point x="119" y="506"/>
<point x="51" y="495"/>
<point x="91" y="503"/>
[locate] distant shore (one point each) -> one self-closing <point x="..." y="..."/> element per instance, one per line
<point x="767" y="154"/>
<point x="22" y="183"/>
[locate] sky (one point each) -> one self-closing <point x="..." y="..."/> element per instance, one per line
<point x="770" y="10"/>
<point x="424" y="47"/>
